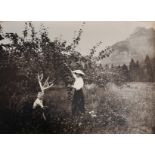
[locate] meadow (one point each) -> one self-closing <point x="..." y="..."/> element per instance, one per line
<point x="115" y="109"/>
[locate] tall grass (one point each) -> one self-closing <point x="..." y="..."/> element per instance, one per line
<point x="126" y="109"/>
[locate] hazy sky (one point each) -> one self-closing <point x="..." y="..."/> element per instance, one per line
<point x="107" y="32"/>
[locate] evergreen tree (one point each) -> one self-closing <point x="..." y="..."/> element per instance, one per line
<point x="153" y="68"/>
<point x="132" y="69"/>
<point x="148" y="72"/>
<point x="137" y="70"/>
<point x="125" y="73"/>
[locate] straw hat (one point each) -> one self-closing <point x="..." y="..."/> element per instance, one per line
<point x="79" y="72"/>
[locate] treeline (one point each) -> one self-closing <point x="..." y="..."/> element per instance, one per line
<point x="136" y="71"/>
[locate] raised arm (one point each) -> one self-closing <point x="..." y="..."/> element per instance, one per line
<point x="73" y="74"/>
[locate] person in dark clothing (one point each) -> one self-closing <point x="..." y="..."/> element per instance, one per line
<point x="78" y="102"/>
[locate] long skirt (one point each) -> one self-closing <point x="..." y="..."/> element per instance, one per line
<point x="78" y="103"/>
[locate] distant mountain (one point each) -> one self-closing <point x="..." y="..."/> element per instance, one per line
<point x="137" y="46"/>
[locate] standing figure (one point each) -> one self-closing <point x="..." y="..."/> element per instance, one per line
<point x="78" y="103"/>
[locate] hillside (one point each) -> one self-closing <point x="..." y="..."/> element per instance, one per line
<point x="137" y="45"/>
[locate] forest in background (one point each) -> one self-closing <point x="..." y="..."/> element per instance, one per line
<point x="136" y="71"/>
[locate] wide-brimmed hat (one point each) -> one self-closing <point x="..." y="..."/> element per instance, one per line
<point x="79" y="72"/>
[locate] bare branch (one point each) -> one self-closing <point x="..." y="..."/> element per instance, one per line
<point x="40" y="77"/>
<point x="49" y="86"/>
<point x="46" y="84"/>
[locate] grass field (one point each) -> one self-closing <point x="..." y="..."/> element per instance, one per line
<point x="129" y="108"/>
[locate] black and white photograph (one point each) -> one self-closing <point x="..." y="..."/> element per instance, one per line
<point x="77" y="77"/>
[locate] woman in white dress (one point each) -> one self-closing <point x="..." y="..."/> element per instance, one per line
<point x="78" y="103"/>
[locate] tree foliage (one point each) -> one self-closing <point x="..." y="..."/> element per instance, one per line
<point x="23" y="57"/>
